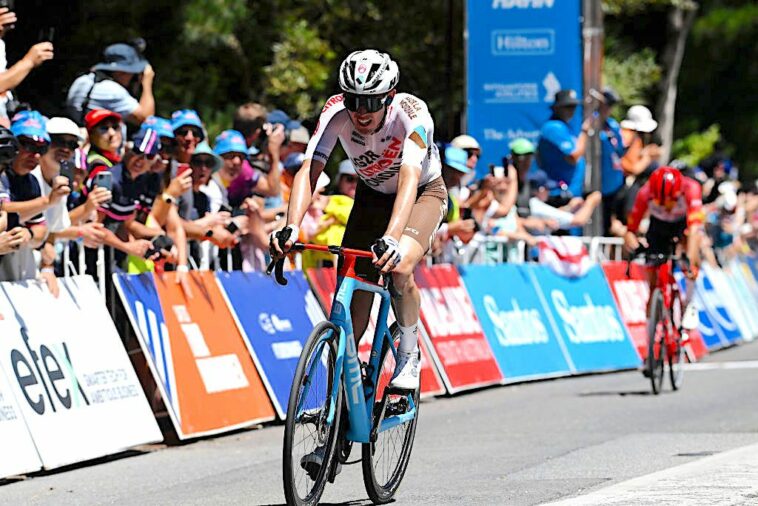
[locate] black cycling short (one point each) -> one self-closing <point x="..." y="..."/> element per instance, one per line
<point x="662" y="236"/>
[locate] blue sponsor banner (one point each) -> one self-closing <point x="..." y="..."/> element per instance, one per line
<point x="140" y="296"/>
<point x="515" y="321"/>
<point x="276" y="321"/>
<point x="709" y="330"/>
<point x="713" y="303"/>
<point x="520" y="53"/>
<point x="587" y="319"/>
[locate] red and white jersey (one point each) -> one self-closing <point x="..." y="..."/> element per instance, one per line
<point x="406" y="137"/>
<point x="688" y="205"/>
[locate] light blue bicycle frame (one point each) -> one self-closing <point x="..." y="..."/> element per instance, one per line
<point x="360" y="404"/>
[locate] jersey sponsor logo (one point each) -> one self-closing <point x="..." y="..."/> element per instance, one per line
<point x="388" y="157"/>
<point x="358" y="139"/>
<point x="336" y="99"/>
<point x="410" y="106"/>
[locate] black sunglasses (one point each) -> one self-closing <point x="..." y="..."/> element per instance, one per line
<point x="62" y="143"/>
<point x="32" y="146"/>
<point x="203" y="162"/>
<point x="370" y="103"/>
<point x="183" y="131"/>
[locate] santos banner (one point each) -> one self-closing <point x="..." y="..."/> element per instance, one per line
<point x="69" y="373"/>
<point x="276" y="321"/>
<point x="520" y="53"/>
<point x="199" y="360"/>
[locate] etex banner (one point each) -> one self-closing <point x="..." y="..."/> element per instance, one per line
<point x="516" y="322"/>
<point x="586" y="317"/>
<point x="70" y="374"/>
<point x="275" y="321"/>
<point x="324" y="282"/>
<point x="519" y="54"/>
<point x="714" y="303"/>
<point x="454" y="330"/>
<point x="19" y="453"/>
<point x="196" y="353"/>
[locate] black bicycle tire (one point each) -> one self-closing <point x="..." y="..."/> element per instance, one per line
<point x="291" y="495"/>
<point x="378" y="493"/>
<point x="655" y="364"/>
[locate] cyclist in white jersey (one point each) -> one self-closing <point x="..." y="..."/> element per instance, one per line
<point x="400" y="198"/>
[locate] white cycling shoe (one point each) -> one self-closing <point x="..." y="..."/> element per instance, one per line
<point x="406" y="376"/>
<point x="691" y="318"/>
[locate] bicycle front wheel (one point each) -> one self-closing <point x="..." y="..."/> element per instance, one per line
<point x="313" y="413"/>
<point x="386" y="459"/>
<point x="656" y="332"/>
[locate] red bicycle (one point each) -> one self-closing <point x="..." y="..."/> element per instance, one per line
<point x="665" y="309"/>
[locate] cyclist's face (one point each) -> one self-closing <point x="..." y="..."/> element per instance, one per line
<point x="366" y="122"/>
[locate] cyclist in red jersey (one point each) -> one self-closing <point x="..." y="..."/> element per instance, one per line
<point x="676" y="213"/>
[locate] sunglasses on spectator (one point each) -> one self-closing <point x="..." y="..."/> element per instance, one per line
<point x="232" y="156"/>
<point x="354" y="103"/>
<point x="63" y="143"/>
<point x="149" y="158"/>
<point x="204" y="161"/>
<point x="168" y="145"/>
<point x="473" y="152"/>
<point x="32" y="146"/>
<point x="183" y="131"/>
<point x="349" y="178"/>
<point x="103" y="128"/>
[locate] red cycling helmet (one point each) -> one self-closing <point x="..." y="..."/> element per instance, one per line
<point x="665" y="184"/>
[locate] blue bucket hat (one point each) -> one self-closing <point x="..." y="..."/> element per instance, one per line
<point x="204" y="149"/>
<point x="122" y="58"/>
<point x="456" y="158"/>
<point x="279" y="116"/>
<point x="293" y="162"/>
<point x="160" y="125"/>
<point x="230" y="141"/>
<point x="186" y="117"/>
<point x="30" y="124"/>
<point x="146" y="142"/>
<point x="539" y="178"/>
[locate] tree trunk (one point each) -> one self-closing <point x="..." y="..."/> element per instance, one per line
<point x="679" y="24"/>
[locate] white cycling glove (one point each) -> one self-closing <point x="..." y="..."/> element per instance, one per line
<point x="393" y="248"/>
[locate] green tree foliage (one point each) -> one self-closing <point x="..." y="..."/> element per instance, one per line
<point x="696" y="146"/>
<point x="632" y="75"/>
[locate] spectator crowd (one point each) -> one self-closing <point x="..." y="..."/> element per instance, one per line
<point x="158" y="194"/>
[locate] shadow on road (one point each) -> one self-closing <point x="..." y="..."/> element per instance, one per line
<point x="616" y="393"/>
<point x="348" y="503"/>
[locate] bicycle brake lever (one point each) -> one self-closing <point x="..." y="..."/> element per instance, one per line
<point x="278" y="265"/>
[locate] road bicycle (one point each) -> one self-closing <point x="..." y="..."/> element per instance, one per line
<point x="665" y="309"/>
<point x="337" y="400"/>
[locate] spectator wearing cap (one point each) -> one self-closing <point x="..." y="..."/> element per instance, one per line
<point x="188" y="132"/>
<point x="612" y="149"/>
<point x="111" y="83"/>
<point x="471" y="147"/>
<point x="106" y="138"/>
<point x="26" y="220"/>
<point x="641" y="153"/>
<point x="574" y="214"/>
<point x="454" y="168"/>
<point x="231" y="148"/>
<point x="118" y="215"/>
<point x="10" y="78"/>
<point x="561" y="152"/>
<point x="521" y="158"/>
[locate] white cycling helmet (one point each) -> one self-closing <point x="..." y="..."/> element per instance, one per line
<point x="368" y="72"/>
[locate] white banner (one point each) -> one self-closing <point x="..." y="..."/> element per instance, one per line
<point x="70" y="374"/>
<point x="19" y="454"/>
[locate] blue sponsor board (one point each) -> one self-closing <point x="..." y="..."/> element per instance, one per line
<point x="140" y="298"/>
<point x="713" y="303"/>
<point x="709" y="331"/>
<point x="515" y="321"/>
<point x="520" y="53"/>
<point x="587" y="319"/>
<point x="276" y="321"/>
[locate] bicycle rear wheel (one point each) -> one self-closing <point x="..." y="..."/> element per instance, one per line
<point x="675" y="351"/>
<point x="656" y="332"/>
<point x="386" y="460"/>
<point x="308" y="432"/>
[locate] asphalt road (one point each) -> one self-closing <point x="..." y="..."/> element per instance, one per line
<point x="524" y="444"/>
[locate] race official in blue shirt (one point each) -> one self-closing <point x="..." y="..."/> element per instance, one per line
<point x="560" y="151"/>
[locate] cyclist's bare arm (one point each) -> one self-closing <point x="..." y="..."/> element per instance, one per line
<point x="407" y="187"/>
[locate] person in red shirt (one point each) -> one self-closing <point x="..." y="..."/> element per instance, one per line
<point x="675" y="206"/>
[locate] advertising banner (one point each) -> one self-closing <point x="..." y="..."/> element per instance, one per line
<point x="196" y="353"/>
<point x="586" y="317"/>
<point x="70" y="374"/>
<point x="519" y="54"/>
<point x="19" y="454"/>
<point x="454" y="330"/>
<point x="275" y="321"/>
<point x="324" y="282"/>
<point x="715" y="305"/>
<point x="742" y="301"/>
<point x="516" y="322"/>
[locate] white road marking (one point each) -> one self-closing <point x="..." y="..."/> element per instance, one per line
<point x="710" y="366"/>
<point x="728" y="478"/>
